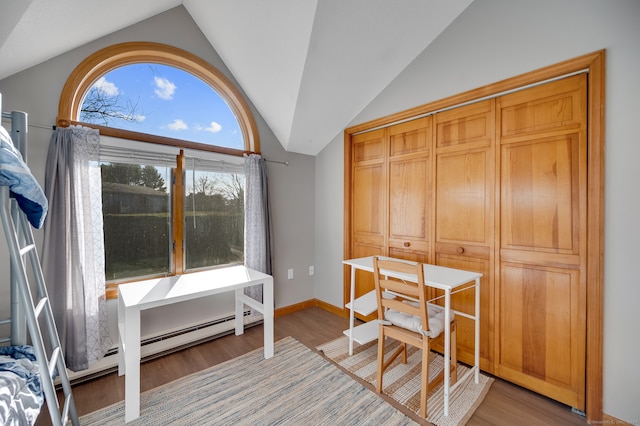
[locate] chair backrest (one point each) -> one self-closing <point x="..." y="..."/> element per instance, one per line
<point x="410" y="297"/>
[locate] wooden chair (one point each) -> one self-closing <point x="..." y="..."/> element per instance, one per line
<point x="404" y="315"/>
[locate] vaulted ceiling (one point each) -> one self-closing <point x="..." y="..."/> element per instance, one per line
<point x="308" y="66"/>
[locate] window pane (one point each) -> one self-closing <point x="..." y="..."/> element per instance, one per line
<point x="214" y="219"/>
<point x="136" y="206"/>
<point x="161" y="100"/>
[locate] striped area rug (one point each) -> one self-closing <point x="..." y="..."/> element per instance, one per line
<point x="296" y="386"/>
<point x="402" y="381"/>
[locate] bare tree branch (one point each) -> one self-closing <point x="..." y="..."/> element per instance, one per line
<point x="100" y="108"/>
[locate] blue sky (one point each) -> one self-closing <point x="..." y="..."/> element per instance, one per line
<point x="171" y="102"/>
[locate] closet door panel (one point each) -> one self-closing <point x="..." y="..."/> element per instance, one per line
<point x="541" y="194"/>
<point x="462" y="210"/>
<point x="411" y="137"/>
<point x="542" y="293"/>
<point x="368" y="146"/>
<point x="538" y="346"/>
<point x="368" y="202"/>
<point x="464" y="240"/>
<point x="409" y="189"/>
<point x="408" y="204"/>
<point x="541" y="300"/>
<point x="464" y="194"/>
<point x="465" y="127"/>
<point x="555" y="106"/>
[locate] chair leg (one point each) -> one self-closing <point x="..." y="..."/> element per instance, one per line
<point x="424" y="378"/>
<point x="380" y="360"/>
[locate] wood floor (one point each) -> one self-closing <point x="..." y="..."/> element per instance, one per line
<point x="505" y="404"/>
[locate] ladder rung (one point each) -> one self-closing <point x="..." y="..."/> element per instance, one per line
<point x="27" y="249"/>
<point x="41" y="305"/>
<point x="53" y="362"/>
<point x="65" y="408"/>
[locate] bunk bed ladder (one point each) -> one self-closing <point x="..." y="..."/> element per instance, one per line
<point x="50" y="358"/>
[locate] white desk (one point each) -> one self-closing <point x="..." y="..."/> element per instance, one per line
<point x="135" y="297"/>
<point x="446" y="279"/>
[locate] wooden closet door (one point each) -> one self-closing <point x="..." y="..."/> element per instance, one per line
<point x="464" y="216"/>
<point x="409" y="190"/>
<point x="541" y="302"/>
<point x="368" y="201"/>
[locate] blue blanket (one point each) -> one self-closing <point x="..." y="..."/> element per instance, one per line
<point x="21" y="395"/>
<point x="15" y="174"/>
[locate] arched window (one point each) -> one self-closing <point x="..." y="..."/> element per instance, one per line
<point x="164" y="101"/>
<point x="171" y="203"/>
<point x="96" y="66"/>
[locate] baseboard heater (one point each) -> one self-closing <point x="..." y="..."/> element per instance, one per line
<point x="165" y="344"/>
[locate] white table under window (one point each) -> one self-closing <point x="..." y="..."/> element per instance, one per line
<point x="141" y="295"/>
<point x="448" y="280"/>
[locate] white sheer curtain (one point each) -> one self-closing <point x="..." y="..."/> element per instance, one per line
<point x="257" y="229"/>
<point x="73" y="246"/>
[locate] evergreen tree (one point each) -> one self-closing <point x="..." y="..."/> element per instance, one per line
<point x="133" y="174"/>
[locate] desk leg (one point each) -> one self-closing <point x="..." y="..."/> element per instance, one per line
<point x="121" y="337"/>
<point x="351" y="311"/>
<point x="265" y="308"/>
<point x="268" y="302"/>
<point x="132" y="364"/>
<point x="239" y="316"/>
<point x="447" y="348"/>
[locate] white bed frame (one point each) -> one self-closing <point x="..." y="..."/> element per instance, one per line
<point x="25" y="314"/>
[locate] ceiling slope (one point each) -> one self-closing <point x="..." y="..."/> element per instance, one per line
<point x="42" y="30"/>
<point x="264" y="44"/>
<point x="311" y="66"/>
<point x="308" y="66"/>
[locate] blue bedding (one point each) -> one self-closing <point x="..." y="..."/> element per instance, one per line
<point x="21" y="396"/>
<point x="15" y="174"/>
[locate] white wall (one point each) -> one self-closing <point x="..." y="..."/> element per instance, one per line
<point x="37" y="92"/>
<point x="497" y="39"/>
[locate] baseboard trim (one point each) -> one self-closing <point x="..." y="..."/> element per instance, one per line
<point x="609" y="420"/>
<point x="311" y="303"/>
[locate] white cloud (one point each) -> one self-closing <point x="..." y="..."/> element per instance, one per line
<point x="164" y="88"/>
<point x="178" y="125"/>
<point x="213" y="127"/>
<point x="106" y="87"/>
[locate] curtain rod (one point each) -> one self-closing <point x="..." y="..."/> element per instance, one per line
<point x="286" y="163"/>
<point x="7" y="116"/>
<point x="42" y="126"/>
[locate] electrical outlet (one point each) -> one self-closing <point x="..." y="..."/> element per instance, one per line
<point x="290" y="274"/>
<point x="311" y="270"/>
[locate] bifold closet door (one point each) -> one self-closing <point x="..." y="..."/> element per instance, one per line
<point x="541" y="303"/>
<point x="368" y="202"/>
<point x="409" y="189"/>
<point x="464" y="194"/>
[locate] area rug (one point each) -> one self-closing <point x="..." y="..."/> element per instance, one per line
<point x="296" y="386"/>
<point x="402" y="381"/>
